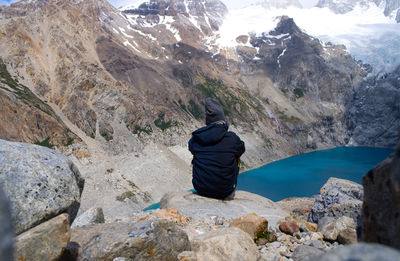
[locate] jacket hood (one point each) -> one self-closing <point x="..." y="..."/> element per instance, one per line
<point x="210" y="134"/>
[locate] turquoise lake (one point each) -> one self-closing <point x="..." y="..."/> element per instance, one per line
<point x="303" y="175"/>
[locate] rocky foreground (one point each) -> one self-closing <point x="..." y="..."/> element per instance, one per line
<point x="334" y="225"/>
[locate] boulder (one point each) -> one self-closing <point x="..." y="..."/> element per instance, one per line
<point x="381" y="208"/>
<point x="331" y="227"/>
<point x="46" y="241"/>
<point x="359" y="252"/>
<point x="143" y="240"/>
<point x="199" y="208"/>
<point x="41" y="183"/>
<point x="347" y="236"/>
<point x="252" y="224"/>
<point x="89" y="217"/>
<point x="6" y="228"/>
<point x="299" y="207"/>
<point x="225" y="244"/>
<point x="303" y="252"/>
<point x="337" y="198"/>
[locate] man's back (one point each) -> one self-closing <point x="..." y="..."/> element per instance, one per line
<point x="216" y="152"/>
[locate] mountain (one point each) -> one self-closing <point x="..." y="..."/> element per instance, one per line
<point x="391" y="7"/>
<point x="280" y="4"/>
<point x="120" y="91"/>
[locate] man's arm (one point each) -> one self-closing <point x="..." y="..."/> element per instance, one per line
<point x="240" y="148"/>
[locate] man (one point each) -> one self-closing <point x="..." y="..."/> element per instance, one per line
<point x="216" y="152"/>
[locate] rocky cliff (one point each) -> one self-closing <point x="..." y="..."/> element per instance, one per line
<point x="120" y="91"/>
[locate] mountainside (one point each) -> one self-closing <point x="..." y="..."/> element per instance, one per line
<point x="120" y="91"/>
<point x="280" y="4"/>
<point x="391" y="7"/>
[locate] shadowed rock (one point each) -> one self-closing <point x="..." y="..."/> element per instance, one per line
<point x="6" y="229"/>
<point x="359" y="252"/>
<point x="381" y="208"/>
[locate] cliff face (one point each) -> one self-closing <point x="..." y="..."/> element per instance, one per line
<point x="131" y="85"/>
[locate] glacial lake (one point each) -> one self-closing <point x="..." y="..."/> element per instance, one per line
<point x="304" y="175"/>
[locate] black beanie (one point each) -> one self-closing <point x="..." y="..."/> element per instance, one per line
<point x="214" y="111"/>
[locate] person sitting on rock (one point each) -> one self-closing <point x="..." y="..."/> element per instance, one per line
<point x="216" y="152"/>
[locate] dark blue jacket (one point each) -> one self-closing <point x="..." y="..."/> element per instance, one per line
<point x="215" y="160"/>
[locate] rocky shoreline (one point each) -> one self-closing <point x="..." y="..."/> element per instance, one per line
<point x="345" y="221"/>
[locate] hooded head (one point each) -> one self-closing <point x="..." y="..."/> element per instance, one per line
<point x="214" y="111"/>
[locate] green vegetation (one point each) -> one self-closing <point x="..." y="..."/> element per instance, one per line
<point x="161" y="123"/>
<point x="298" y="93"/>
<point x="195" y="110"/>
<point x="230" y="101"/>
<point x="269" y="236"/>
<point x="127" y="195"/>
<point x="45" y="143"/>
<point x="69" y="141"/>
<point x="289" y="119"/>
<point x="139" y="129"/>
<point x="22" y="92"/>
<point x="285" y="91"/>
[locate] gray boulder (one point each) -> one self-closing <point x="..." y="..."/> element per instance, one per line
<point x="192" y="205"/>
<point x="359" y="252"/>
<point x="331" y="227"/>
<point x="6" y="229"/>
<point x="89" y="217"/>
<point x="337" y="198"/>
<point x="381" y="209"/>
<point x="225" y="244"/>
<point x="144" y="240"/>
<point x="41" y="183"/>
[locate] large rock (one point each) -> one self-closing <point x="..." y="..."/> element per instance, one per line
<point x="331" y="227"/>
<point x="359" y="252"/>
<point x="297" y="206"/>
<point x="381" y="209"/>
<point x="337" y="198"/>
<point x="90" y="217"/>
<point x="144" y="240"/>
<point x="46" y="241"/>
<point x="225" y="245"/>
<point x="6" y="228"/>
<point x="198" y="207"/>
<point x="41" y="183"/>
<point x="252" y="224"/>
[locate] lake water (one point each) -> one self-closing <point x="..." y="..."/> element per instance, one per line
<point x="304" y="175"/>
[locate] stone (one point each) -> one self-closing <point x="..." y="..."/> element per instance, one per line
<point x="303" y="252"/>
<point x="252" y="224"/>
<point x="143" y="240"/>
<point x="337" y="198"/>
<point x="327" y="226"/>
<point x="40" y="183"/>
<point x="46" y="241"/>
<point x="187" y="256"/>
<point x="299" y="207"/>
<point x="331" y="227"/>
<point x="6" y="228"/>
<point x="347" y="236"/>
<point x="225" y="244"/>
<point x="381" y="208"/>
<point x="201" y="208"/>
<point x="359" y="252"/>
<point x="89" y="217"/>
<point x="311" y="226"/>
<point x="289" y="227"/>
